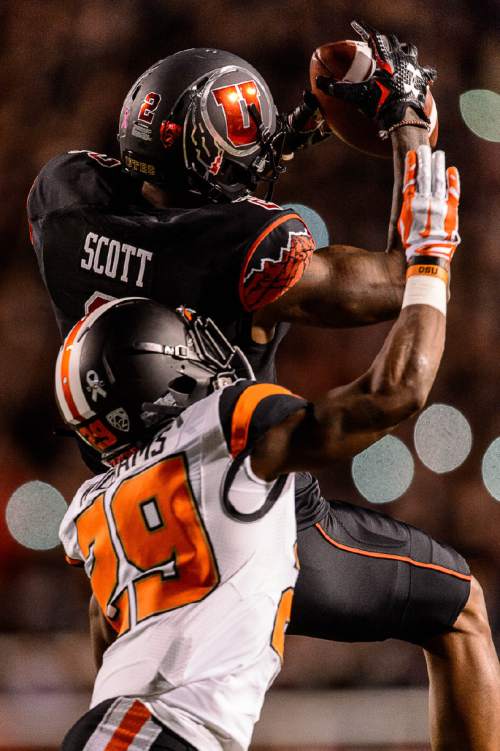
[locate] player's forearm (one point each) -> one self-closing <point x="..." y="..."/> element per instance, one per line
<point x="401" y="376"/>
<point x="350" y="418"/>
<point x="403" y="140"/>
<point x="358" y="287"/>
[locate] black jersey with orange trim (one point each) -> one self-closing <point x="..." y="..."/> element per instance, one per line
<point x="96" y="238"/>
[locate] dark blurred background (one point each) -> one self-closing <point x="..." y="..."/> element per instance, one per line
<point x="65" y="67"/>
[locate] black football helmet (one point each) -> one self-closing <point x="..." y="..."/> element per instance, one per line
<point x="203" y="118"/>
<point x="132" y="365"/>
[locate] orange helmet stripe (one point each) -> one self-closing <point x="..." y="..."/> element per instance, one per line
<point x="64" y="370"/>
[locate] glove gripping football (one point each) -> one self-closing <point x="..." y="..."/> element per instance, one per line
<point x="399" y="81"/>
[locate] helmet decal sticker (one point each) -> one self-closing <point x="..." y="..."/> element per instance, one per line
<point x="97" y="435"/>
<point x="95" y="386"/>
<point x="235" y="101"/>
<point x="139" y="166"/>
<point x="148" y="107"/>
<point x="125" y="117"/>
<point x="144" y="132"/>
<point x="119" y="419"/>
<point x="216" y="164"/>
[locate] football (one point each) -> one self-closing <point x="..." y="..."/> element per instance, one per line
<point x="353" y="61"/>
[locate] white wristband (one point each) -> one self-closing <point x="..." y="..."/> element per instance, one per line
<point x="423" y="290"/>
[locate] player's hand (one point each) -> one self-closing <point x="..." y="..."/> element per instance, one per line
<point x="304" y="125"/>
<point x="399" y="81"/>
<point x="428" y="223"/>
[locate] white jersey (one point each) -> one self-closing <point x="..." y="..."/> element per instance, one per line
<point x="196" y="581"/>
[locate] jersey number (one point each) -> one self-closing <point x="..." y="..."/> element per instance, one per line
<point x="154" y="522"/>
<point x="148" y="107"/>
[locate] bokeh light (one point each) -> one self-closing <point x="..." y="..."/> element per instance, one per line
<point x="443" y="438"/>
<point x="490" y="469"/>
<point x="383" y="471"/>
<point x="314" y="221"/>
<point x="480" y="109"/>
<point x="34" y="513"/>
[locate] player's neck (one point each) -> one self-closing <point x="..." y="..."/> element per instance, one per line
<point x="164" y="199"/>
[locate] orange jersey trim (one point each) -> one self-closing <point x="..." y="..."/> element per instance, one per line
<point x="133" y="721"/>
<point x="243" y="412"/>
<point x="392" y="557"/>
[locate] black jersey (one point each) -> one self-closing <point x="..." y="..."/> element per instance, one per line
<point x="97" y="239"/>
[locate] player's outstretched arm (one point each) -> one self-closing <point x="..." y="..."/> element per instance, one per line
<point x="394" y="96"/>
<point x="397" y="384"/>
<point x="342" y="286"/>
<point x="347" y="286"/>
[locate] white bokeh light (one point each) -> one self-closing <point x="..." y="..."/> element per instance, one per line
<point x="490" y="469"/>
<point x="383" y="471"/>
<point x="314" y="221"/>
<point x="443" y="438"/>
<point x="480" y="110"/>
<point x="34" y="513"/>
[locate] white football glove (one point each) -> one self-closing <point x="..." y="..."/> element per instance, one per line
<point x="428" y="223"/>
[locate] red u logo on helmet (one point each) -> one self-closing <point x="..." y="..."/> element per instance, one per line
<point x="235" y="100"/>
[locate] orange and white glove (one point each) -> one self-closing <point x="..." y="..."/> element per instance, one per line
<point x="428" y="226"/>
<point x="428" y="223"/>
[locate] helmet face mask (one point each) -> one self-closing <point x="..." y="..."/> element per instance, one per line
<point x="204" y="119"/>
<point x="132" y="365"/>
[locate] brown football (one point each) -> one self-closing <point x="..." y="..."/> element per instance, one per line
<point x="353" y="61"/>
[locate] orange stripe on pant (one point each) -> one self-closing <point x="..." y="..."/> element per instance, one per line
<point x="392" y="557"/>
<point x="244" y="409"/>
<point x="132" y="722"/>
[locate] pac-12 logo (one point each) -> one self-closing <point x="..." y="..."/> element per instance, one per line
<point x="235" y="100"/>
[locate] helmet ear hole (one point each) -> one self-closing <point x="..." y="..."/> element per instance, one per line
<point x="184" y="384"/>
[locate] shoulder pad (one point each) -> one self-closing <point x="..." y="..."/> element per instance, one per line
<point x="275" y="260"/>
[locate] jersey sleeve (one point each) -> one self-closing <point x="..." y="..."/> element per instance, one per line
<point x="275" y="260"/>
<point x="68" y="533"/>
<point x="68" y="537"/>
<point x="248" y="409"/>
